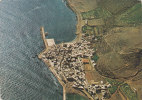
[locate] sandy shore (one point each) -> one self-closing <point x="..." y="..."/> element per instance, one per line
<point x="80" y="22"/>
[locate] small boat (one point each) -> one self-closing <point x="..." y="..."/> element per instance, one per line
<point x="46" y="33"/>
<point x="35" y="56"/>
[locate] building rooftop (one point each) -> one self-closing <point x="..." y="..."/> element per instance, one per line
<point x="50" y="42"/>
<point x="85" y="60"/>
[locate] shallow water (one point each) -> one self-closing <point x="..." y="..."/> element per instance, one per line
<point x="22" y="75"/>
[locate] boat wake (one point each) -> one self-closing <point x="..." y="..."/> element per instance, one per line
<point x="36" y="8"/>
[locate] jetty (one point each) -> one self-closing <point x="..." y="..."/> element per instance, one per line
<point x="43" y="37"/>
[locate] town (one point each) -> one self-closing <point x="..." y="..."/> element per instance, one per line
<point x="68" y="60"/>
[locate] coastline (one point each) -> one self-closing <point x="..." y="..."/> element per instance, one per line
<point x="78" y="33"/>
<point x="79" y="20"/>
<point x="47" y="63"/>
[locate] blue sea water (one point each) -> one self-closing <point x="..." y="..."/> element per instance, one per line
<point x="22" y="75"/>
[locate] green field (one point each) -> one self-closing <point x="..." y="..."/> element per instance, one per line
<point x="101" y="13"/>
<point x="88" y="29"/>
<point x="96" y="14"/>
<point x="88" y="15"/>
<point x="75" y="97"/>
<point x="114" y="84"/>
<point x="131" y="16"/>
<point x="96" y="30"/>
<point x="116" y="6"/>
<point x="126" y="89"/>
<point x="95" y="57"/>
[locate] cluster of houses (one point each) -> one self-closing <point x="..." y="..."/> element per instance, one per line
<point x="68" y="60"/>
<point x="95" y="89"/>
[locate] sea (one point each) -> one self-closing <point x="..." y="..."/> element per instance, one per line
<point x="22" y="75"/>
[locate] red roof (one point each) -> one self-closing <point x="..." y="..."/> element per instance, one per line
<point x="85" y="60"/>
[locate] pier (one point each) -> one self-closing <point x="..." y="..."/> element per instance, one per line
<point x="43" y="37"/>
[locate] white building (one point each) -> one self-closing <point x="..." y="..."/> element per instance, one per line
<point x="50" y="42"/>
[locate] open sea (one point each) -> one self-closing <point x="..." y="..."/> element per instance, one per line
<point x="22" y="75"/>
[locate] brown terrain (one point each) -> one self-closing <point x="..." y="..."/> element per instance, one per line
<point x="120" y="51"/>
